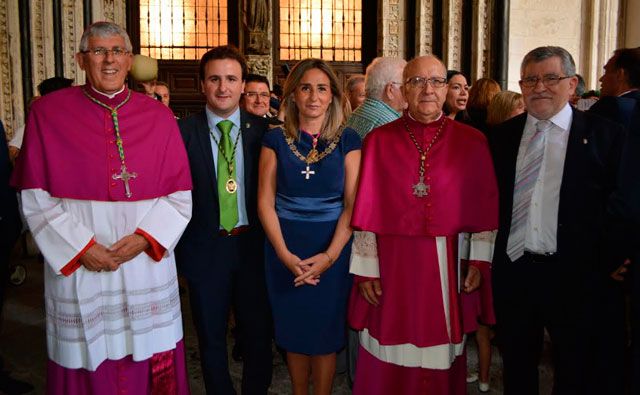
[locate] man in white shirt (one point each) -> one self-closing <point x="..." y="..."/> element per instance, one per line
<point x="556" y="168"/>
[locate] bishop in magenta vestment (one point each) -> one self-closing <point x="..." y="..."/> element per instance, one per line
<point x="413" y="341"/>
<point x="111" y="330"/>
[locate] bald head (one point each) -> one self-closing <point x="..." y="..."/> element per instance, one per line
<point x="425" y="87"/>
<point x="422" y="62"/>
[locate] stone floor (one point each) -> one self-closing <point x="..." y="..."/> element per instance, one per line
<point x="22" y="344"/>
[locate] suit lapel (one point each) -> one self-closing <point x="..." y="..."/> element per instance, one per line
<point x="247" y="143"/>
<point x="573" y="169"/>
<point x="513" y="146"/>
<point x="204" y="140"/>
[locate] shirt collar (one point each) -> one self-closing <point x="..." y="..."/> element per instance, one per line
<point x="378" y="102"/>
<point x="213" y="119"/>
<point x="562" y="119"/>
<point x="110" y="96"/>
<point x="435" y="120"/>
<point x="629" y="91"/>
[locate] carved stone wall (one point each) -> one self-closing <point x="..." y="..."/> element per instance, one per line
<point x="42" y="47"/>
<point x="261" y="64"/>
<point x="391" y="37"/>
<point x="452" y="33"/>
<point x="589" y="32"/>
<point x="424" y="21"/>
<point x="631" y="27"/>
<point x="481" y="39"/>
<point x="543" y="22"/>
<point x="11" y="103"/>
<point x="72" y="28"/>
<point x="600" y="38"/>
<point x="109" y="10"/>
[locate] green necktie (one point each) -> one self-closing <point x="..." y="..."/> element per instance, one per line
<point x="228" y="201"/>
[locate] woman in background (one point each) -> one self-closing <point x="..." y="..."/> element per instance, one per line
<point x="504" y="105"/>
<point x="455" y="105"/>
<point x="480" y="95"/>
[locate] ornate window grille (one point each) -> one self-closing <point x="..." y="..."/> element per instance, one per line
<point x="326" y="29"/>
<point x="182" y="29"/>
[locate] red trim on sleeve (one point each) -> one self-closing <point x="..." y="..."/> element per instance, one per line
<point x="75" y="264"/>
<point x="156" y="250"/>
<point x="357" y="279"/>
<point x="481" y="265"/>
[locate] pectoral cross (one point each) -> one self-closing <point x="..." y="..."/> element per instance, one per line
<point x="307" y="173"/>
<point x="125" y="176"/>
<point x="421" y="189"/>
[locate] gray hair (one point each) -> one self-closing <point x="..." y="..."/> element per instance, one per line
<point x="353" y="80"/>
<point x="542" y="53"/>
<point x="104" y="29"/>
<point x="380" y="73"/>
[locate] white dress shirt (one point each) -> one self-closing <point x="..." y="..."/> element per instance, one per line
<point x="542" y="220"/>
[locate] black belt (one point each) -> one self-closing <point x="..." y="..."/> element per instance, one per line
<point x="540" y="258"/>
<point x="235" y="231"/>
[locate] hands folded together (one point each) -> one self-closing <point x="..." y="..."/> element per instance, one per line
<point x="98" y="257"/>
<point x="308" y="271"/>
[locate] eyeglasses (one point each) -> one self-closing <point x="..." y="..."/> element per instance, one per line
<point x="253" y="95"/>
<point x="421" y="82"/>
<point x="547" y="80"/>
<point x="103" y="52"/>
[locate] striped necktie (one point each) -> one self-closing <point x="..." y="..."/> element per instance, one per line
<point x="523" y="189"/>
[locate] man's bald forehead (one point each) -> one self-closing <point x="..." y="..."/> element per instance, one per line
<point x="421" y="61"/>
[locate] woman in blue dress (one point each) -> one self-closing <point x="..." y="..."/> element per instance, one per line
<point x="308" y="174"/>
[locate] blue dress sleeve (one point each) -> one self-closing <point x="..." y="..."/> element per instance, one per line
<point x="351" y="141"/>
<point x="272" y="138"/>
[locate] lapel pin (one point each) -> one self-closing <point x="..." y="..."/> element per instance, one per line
<point x="585" y="141"/>
<point x="247" y="125"/>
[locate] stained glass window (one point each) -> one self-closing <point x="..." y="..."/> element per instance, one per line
<point x="182" y="29"/>
<point x="326" y="29"/>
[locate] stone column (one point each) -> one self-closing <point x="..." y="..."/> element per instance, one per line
<point x="452" y="10"/>
<point x="261" y="54"/>
<point x="481" y="40"/>
<point x="424" y="23"/>
<point x="600" y="38"/>
<point x="632" y="27"/>
<point x="109" y="10"/>
<point x="72" y="28"/>
<point x="11" y="103"/>
<point x="42" y="44"/>
<point x="391" y="20"/>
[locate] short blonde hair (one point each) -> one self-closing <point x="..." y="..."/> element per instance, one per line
<point x="334" y="116"/>
<point x="502" y="105"/>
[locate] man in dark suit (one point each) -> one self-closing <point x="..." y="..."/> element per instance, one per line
<point x="620" y="103"/>
<point x="620" y="90"/>
<point x="221" y="251"/>
<point x="556" y="168"/>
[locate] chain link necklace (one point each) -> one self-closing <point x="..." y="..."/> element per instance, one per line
<point x="421" y="189"/>
<point x="231" y="185"/>
<point x="313" y="156"/>
<point x="124" y="175"/>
